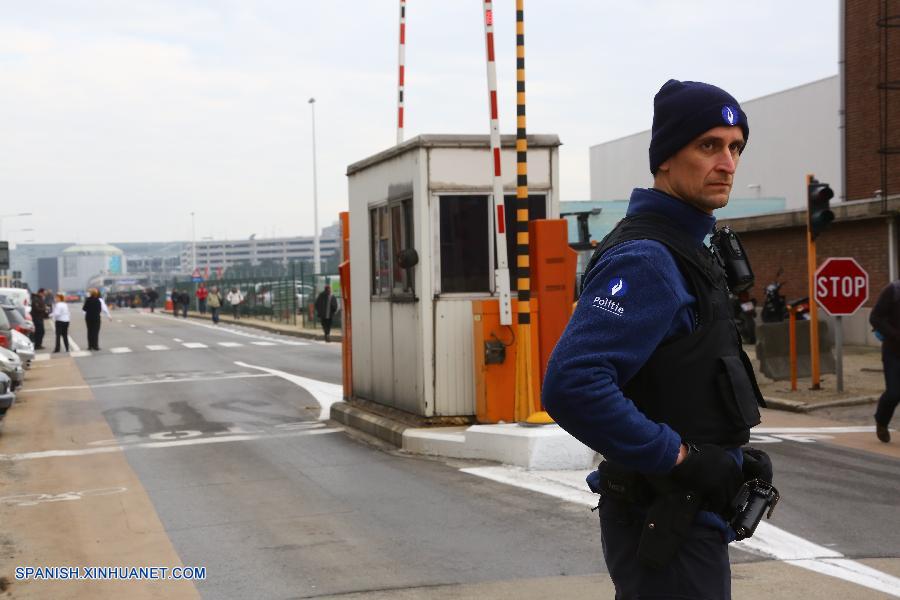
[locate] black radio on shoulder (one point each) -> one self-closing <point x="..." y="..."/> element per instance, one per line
<point x="727" y="247"/>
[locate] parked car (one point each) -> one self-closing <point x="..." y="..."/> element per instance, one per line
<point x="23" y="347"/>
<point x="5" y="332"/>
<point x="7" y="397"/>
<point x="17" y="320"/>
<point x="17" y="296"/>
<point x="11" y="366"/>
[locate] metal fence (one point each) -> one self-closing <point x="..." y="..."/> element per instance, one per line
<point x="289" y="300"/>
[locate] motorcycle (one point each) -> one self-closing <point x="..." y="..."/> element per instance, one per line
<point x="744" y="316"/>
<point x="774" y="308"/>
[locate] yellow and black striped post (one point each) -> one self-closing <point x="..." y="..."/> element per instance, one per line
<point x="524" y="409"/>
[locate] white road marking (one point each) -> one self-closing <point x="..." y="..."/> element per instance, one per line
<point x="264" y="343"/>
<point x="150" y="331"/>
<point x="772" y="542"/>
<point x="325" y="393"/>
<point x="35" y="499"/>
<point x="768" y="541"/>
<point x="120" y="350"/>
<point x="132" y="325"/>
<point x="194" y="345"/>
<point x="150" y="382"/>
<point x="167" y="444"/>
<point x="157" y="347"/>
<point x="179" y="340"/>
<point x="230" y="344"/>
<point x="73" y="345"/>
<point x="813" y="430"/>
<point x="80" y="353"/>
<point x="233" y="331"/>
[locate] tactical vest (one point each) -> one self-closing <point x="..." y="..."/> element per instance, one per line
<point x="702" y="384"/>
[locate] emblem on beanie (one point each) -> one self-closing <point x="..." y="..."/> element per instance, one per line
<point x="730" y="115"/>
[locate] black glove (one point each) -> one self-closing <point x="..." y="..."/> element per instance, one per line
<point x="757" y="465"/>
<point x="712" y="472"/>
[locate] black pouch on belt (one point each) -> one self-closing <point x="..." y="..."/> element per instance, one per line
<point x="668" y="523"/>
<point x="623" y="484"/>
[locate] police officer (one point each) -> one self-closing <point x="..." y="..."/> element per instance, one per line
<point x="650" y="371"/>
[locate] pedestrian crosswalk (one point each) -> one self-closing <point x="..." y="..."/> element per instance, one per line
<point x="163" y="347"/>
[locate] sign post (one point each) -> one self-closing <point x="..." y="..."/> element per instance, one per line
<point x="841" y="288"/>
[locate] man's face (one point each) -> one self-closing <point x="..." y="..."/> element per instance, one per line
<point x="702" y="172"/>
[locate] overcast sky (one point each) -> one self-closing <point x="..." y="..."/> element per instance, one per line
<point x="119" y="118"/>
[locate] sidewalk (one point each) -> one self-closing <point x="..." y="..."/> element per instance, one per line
<point x="312" y="333"/>
<point x="549" y="447"/>
<point x="863" y="383"/>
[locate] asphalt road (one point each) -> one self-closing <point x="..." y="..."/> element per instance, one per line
<point x="307" y="515"/>
<point x="248" y="482"/>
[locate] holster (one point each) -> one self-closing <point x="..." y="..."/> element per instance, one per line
<point x="668" y="523"/>
<point x="671" y="510"/>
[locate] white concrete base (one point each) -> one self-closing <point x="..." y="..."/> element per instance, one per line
<point x="541" y="447"/>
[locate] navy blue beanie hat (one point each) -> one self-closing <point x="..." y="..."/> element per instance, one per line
<point x="682" y="110"/>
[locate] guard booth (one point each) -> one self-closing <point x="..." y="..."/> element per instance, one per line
<point x="421" y="253"/>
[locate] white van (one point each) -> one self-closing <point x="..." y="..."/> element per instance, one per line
<point x="17" y="296"/>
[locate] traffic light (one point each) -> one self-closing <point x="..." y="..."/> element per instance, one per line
<point x="820" y="216"/>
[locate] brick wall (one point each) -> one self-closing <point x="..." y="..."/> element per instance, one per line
<point x="862" y="75"/>
<point x="866" y="241"/>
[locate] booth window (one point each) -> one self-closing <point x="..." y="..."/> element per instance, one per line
<point x="391" y="233"/>
<point x="464" y="247"/>
<point x="466" y="237"/>
<point x="401" y="237"/>
<point x="381" y="260"/>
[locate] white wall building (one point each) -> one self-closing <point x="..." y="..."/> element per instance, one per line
<point x="792" y="133"/>
<point x="216" y="254"/>
<point x="78" y="265"/>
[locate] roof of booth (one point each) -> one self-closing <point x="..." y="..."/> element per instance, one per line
<point x="445" y="140"/>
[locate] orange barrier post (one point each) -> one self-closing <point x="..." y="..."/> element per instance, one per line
<point x="553" y="282"/>
<point x="792" y="329"/>
<point x="495" y="363"/>
<point x="347" y="334"/>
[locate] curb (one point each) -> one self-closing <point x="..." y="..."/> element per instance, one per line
<point x="805" y="407"/>
<point x="380" y="427"/>
<point x="291" y="333"/>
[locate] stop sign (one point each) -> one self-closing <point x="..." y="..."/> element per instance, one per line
<point x="842" y="286"/>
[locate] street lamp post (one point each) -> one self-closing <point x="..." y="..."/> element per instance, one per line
<point x="193" y="246"/>
<point x="316" y="256"/>
<point x="9" y="216"/>
<point x="3" y="275"/>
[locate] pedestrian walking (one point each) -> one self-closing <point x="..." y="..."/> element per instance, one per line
<point x="152" y="297"/>
<point x="214" y="302"/>
<point x="185" y="302"/>
<point x="61" y="317"/>
<point x="202" y="294"/>
<point x="92" y="309"/>
<point x="38" y="314"/>
<point x="641" y="369"/>
<point x="885" y="319"/>
<point x="104" y="309"/>
<point x="175" y="298"/>
<point x="235" y="298"/>
<point x="326" y="307"/>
